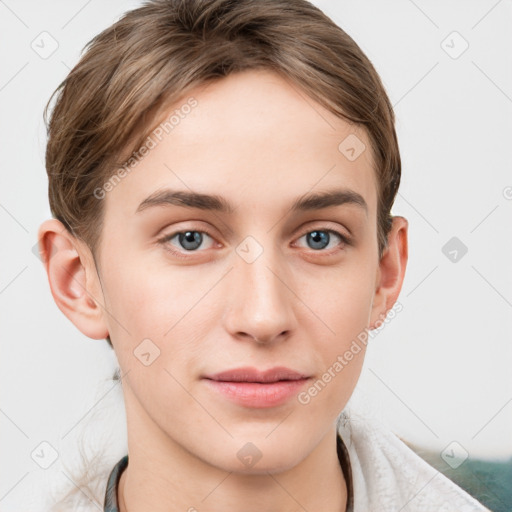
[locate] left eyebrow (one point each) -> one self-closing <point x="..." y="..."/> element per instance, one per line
<point x="308" y="202"/>
<point x="320" y="200"/>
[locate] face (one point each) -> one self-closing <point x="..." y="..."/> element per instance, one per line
<point x="192" y="290"/>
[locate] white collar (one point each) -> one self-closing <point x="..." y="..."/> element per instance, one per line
<point x="387" y="476"/>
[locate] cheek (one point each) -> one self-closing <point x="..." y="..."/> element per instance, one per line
<point x="151" y="311"/>
<point x="342" y="305"/>
<point x="149" y="301"/>
<point x="340" y="352"/>
<point x="341" y="297"/>
<point x="348" y="317"/>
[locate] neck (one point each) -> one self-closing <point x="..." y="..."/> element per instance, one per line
<point x="163" y="476"/>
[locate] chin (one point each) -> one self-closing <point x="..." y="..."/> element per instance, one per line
<point x="257" y="454"/>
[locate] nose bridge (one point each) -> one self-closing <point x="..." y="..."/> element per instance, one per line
<point x="260" y="305"/>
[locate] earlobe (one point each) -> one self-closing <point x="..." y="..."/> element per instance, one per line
<point x="391" y="270"/>
<point x="73" y="279"/>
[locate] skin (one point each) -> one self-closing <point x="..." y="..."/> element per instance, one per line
<point x="260" y="142"/>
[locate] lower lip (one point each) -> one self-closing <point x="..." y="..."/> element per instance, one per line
<point x="255" y="394"/>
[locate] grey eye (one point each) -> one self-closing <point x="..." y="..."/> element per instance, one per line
<point x="188" y="240"/>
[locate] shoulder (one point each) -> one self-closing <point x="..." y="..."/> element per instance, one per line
<point x="388" y="476"/>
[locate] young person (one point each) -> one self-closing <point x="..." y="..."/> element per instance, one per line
<point x="221" y="176"/>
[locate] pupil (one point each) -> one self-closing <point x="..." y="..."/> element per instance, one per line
<point x="190" y="239"/>
<point x="319" y="237"/>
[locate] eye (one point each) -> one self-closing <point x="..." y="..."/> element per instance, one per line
<point x="186" y="241"/>
<point x="319" y="239"/>
<point x="189" y="241"/>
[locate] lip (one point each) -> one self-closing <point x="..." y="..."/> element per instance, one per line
<point x="251" y="387"/>
<point x="250" y="374"/>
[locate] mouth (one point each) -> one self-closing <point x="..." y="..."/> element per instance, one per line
<point x="250" y="374"/>
<point x="252" y="388"/>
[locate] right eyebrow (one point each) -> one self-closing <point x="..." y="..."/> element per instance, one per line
<point x="188" y="200"/>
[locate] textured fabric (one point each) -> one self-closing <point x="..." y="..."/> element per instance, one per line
<point x="387" y="476"/>
<point x="111" y="504"/>
<point x="381" y="472"/>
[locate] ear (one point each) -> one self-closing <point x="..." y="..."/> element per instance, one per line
<point x="391" y="272"/>
<point x="73" y="278"/>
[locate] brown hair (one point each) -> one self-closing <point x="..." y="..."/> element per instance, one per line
<point x="155" y="53"/>
<point x="135" y="69"/>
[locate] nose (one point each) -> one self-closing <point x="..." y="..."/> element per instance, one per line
<point x="260" y="307"/>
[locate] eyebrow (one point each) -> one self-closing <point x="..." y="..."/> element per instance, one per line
<point x="213" y="202"/>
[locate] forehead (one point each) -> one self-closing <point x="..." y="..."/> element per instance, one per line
<point x="254" y="137"/>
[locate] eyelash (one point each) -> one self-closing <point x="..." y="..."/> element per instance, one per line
<point x="345" y="241"/>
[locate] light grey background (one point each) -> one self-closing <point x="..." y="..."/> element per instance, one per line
<point x="438" y="373"/>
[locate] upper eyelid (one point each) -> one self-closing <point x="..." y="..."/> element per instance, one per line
<point x="323" y="227"/>
<point x="343" y="232"/>
<point x="346" y="238"/>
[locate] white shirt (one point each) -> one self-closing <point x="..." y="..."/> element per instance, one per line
<point x="387" y="476"/>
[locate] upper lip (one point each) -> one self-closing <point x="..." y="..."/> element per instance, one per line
<point x="250" y="374"/>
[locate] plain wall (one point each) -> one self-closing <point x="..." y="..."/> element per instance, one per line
<point x="437" y="373"/>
